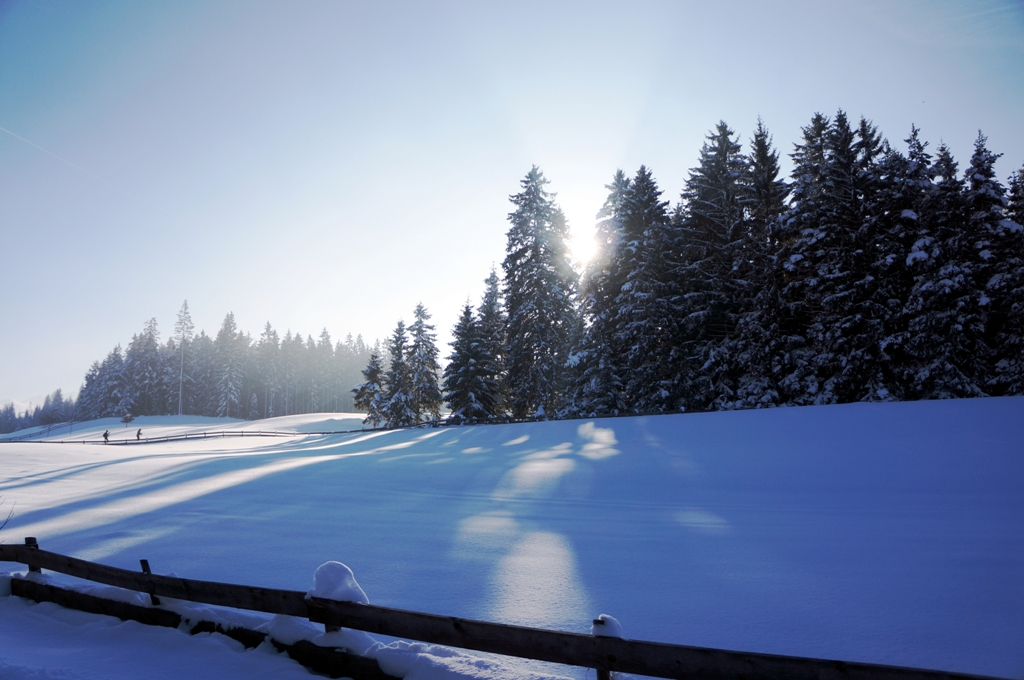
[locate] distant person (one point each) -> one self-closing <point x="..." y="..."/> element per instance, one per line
<point x="138" y="435"/>
<point x="106" y="436"/>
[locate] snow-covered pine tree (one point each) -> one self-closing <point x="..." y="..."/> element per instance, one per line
<point x="1009" y="334"/>
<point x="1000" y="270"/>
<point x="493" y="324"/>
<point x="423" y="367"/>
<point x="183" y="331"/>
<point x="599" y="387"/>
<point x="323" y="373"/>
<point x="1015" y="197"/>
<point x="112" y="381"/>
<point x="398" y="382"/>
<point x="199" y="364"/>
<point x="788" y="295"/>
<point x="142" y="365"/>
<point x="267" y="351"/>
<point x="645" y="319"/>
<point x="290" y="359"/>
<point x="369" y="395"/>
<point x="715" y="276"/>
<point x="944" y="325"/>
<point x="89" y="400"/>
<point x="351" y="355"/>
<point x="469" y="385"/>
<point x="821" y="261"/>
<point x="895" y="236"/>
<point x="860" y="302"/>
<point x="540" y="289"/>
<point x="229" y="369"/>
<point x="763" y="197"/>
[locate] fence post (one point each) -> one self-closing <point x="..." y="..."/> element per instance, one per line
<point x="33" y="544"/>
<point x="145" y="570"/>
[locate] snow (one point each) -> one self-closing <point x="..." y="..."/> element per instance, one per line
<point x="606" y="626"/>
<point x="335" y="581"/>
<point x="884" y="533"/>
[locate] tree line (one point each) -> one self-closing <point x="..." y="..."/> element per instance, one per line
<point x="874" y="274"/>
<point x="229" y="375"/>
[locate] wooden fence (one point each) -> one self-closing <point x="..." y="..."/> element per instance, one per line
<point x="602" y="653"/>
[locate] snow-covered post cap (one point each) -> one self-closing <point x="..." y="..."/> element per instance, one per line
<point x="335" y="581"/>
<point x="606" y="626"/>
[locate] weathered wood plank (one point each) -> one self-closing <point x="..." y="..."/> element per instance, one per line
<point x="331" y="662"/>
<point x="611" y="654"/>
<point x="41" y="592"/>
<point x="271" y="600"/>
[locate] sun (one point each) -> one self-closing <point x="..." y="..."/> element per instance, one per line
<point x="580" y="213"/>
<point x="582" y="245"/>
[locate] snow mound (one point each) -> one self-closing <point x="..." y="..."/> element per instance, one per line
<point x="335" y="581"/>
<point x="418" y="661"/>
<point x="606" y="626"/>
<point x="289" y="629"/>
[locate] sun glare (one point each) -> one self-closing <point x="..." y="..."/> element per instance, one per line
<point x="581" y="243"/>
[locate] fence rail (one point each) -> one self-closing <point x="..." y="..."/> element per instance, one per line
<point x="602" y="653"/>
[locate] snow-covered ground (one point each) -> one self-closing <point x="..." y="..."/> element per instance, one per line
<point x="884" y="533"/>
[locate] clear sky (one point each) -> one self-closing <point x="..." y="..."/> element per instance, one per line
<point x="331" y="164"/>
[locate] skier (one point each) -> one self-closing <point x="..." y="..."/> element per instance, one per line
<point x="106" y="436"/>
<point x="138" y="435"/>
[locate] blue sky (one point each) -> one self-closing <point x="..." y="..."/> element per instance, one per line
<point x="331" y="164"/>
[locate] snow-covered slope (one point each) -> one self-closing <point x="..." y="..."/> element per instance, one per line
<point x="887" y="533"/>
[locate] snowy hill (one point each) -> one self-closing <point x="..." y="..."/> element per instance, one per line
<point x="884" y="533"/>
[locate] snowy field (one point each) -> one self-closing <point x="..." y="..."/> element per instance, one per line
<point x="883" y="533"/>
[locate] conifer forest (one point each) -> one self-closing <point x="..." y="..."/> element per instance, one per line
<point x="876" y="272"/>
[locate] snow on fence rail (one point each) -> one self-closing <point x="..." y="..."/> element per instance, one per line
<point x="606" y="654"/>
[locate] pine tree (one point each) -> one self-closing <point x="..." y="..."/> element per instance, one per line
<point x="146" y="393"/>
<point x="1007" y="288"/>
<point x="763" y="197"/>
<point x="821" y="262"/>
<point x="89" y="398"/>
<point x="469" y="385"/>
<point x="183" y="330"/>
<point x="646" y="322"/>
<point x="943" y="317"/>
<point x="600" y="386"/>
<point x="229" y="364"/>
<point x="114" y="398"/>
<point x="715" y="279"/>
<point x="322" y="355"/>
<point x="424" y="367"/>
<point x="540" y="288"/>
<point x="370" y="396"/>
<point x="1015" y="197"/>
<point x="893" y="237"/>
<point x="268" y="350"/>
<point x="398" y="382"/>
<point x="492" y="324"/>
